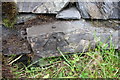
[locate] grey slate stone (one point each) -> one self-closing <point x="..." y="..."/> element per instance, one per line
<point x="0" y="38"/>
<point x="42" y="7"/>
<point x="21" y="18"/>
<point x="13" y="43"/>
<point x="93" y="10"/>
<point x="0" y="13"/>
<point x="27" y="7"/>
<point x="68" y="36"/>
<point x="115" y="13"/>
<point x="83" y="10"/>
<point x="99" y="10"/>
<point x="70" y="13"/>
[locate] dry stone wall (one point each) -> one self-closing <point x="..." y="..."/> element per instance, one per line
<point x="42" y="7"/>
<point x="94" y="10"/>
<point x="99" y="10"/>
<point x="74" y="33"/>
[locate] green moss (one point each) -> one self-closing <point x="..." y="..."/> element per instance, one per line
<point x="9" y="14"/>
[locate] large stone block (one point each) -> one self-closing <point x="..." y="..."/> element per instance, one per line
<point x="42" y="7"/>
<point x="13" y="43"/>
<point x="99" y="10"/>
<point x="68" y="36"/>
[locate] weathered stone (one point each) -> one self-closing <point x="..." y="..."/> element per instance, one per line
<point x="83" y="10"/>
<point x="115" y="13"/>
<point x="27" y="7"/>
<point x="21" y="18"/>
<point x="13" y="43"/>
<point x="51" y="7"/>
<point x="68" y="36"/>
<point x="0" y="22"/>
<point x="0" y="38"/>
<point x="0" y="13"/>
<point x="42" y="7"/>
<point x="99" y="10"/>
<point x="70" y="13"/>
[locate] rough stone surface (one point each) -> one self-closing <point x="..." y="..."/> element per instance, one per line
<point x="94" y="10"/>
<point x="70" y="13"/>
<point x="42" y="7"/>
<point x="21" y="18"/>
<point x="0" y="13"/>
<point x="99" y="10"/>
<point x="68" y="36"/>
<point x="0" y="38"/>
<point x="13" y="43"/>
<point x="27" y="6"/>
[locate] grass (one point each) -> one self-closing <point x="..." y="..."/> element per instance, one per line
<point x="99" y="63"/>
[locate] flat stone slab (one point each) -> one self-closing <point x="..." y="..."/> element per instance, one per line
<point x="70" y="13"/>
<point x="69" y="37"/>
<point x="13" y="43"/>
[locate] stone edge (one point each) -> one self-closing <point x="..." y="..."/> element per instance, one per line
<point x="59" y="0"/>
<point x="0" y="40"/>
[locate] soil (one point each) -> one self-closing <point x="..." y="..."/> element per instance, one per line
<point x="6" y="72"/>
<point x="46" y="18"/>
<point x="41" y="19"/>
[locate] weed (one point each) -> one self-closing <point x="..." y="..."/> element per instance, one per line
<point x="99" y="63"/>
